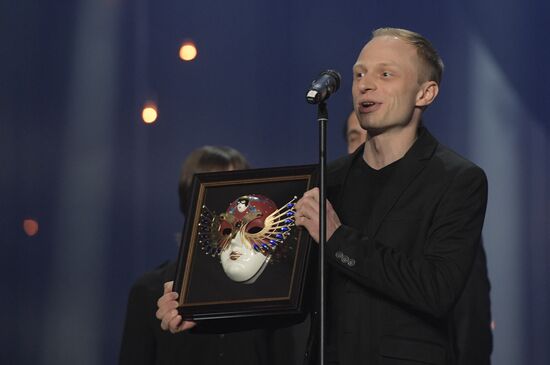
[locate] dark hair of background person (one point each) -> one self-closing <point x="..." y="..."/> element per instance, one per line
<point x="207" y="159"/>
<point x="345" y="129"/>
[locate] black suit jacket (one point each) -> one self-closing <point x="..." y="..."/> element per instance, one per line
<point x="145" y="343"/>
<point x="404" y="270"/>
<point x="472" y="317"/>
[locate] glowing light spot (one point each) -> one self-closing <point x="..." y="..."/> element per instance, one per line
<point x="188" y="51"/>
<point x="30" y="226"/>
<point x="149" y="113"/>
<point x="493" y="325"/>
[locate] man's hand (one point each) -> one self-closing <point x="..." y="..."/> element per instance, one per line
<point x="307" y="215"/>
<point x="167" y="311"/>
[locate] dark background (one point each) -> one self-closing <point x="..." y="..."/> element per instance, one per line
<point x="75" y="157"/>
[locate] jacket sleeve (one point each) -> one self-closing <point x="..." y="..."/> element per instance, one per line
<point x="138" y="345"/>
<point x="432" y="281"/>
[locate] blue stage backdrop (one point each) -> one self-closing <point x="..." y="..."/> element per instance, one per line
<point x="76" y="159"/>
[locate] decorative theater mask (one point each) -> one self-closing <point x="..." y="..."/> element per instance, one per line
<point x="246" y="235"/>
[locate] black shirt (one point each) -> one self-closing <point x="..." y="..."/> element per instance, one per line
<point x="370" y="183"/>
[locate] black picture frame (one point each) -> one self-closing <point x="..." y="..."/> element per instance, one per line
<point x="205" y="290"/>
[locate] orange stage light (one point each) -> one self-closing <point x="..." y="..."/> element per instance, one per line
<point x="30" y="226"/>
<point x="149" y="113"/>
<point x="188" y="51"/>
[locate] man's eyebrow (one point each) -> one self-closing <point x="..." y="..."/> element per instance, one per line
<point x="381" y="64"/>
<point x="388" y="64"/>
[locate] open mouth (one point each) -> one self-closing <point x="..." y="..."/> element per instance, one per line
<point x="233" y="255"/>
<point x="368" y="106"/>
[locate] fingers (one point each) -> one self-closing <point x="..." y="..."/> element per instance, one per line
<point x="168" y="286"/>
<point x="165" y="304"/>
<point x="168" y="313"/>
<point x="174" y="322"/>
<point x="188" y="325"/>
<point x="171" y="320"/>
<point x="308" y="205"/>
<point x="167" y="307"/>
<point x="168" y="295"/>
<point x="312" y="194"/>
<point x="307" y="214"/>
<point x="177" y="325"/>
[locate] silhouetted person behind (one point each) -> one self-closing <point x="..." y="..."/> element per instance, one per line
<point x="145" y="343"/>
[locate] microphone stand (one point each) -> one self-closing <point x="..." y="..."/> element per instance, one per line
<point x="322" y="118"/>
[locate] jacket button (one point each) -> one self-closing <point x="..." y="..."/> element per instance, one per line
<point x="339" y="254"/>
<point x="351" y="262"/>
<point x="345" y="259"/>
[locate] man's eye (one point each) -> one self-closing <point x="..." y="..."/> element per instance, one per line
<point x="253" y="230"/>
<point x="226" y="232"/>
<point x="386" y="74"/>
<point x="358" y="75"/>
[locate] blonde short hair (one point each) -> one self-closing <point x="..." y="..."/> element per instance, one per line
<point x="425" y="50"/>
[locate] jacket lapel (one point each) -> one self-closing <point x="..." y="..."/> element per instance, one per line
<point x="414" y="161"/>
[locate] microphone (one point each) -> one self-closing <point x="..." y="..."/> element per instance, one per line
<point x="326" y="84"/>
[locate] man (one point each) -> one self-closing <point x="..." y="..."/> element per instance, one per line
<point x="143" y="341"/>
<point x="471" y="314"/>
<point x="354" y="135"/>
<point x="404" y="217"/>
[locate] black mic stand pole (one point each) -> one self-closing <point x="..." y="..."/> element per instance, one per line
<point x="322" y="118"/>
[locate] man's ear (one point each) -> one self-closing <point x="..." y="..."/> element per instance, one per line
<point x="427" y="93"/>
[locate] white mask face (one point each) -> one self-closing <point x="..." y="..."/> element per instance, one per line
<point x="241" y="206"/>
<point x="241" y="263"/>
<point x="246" y="236"/>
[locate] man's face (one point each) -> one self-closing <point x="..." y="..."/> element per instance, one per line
<point x="355" y="135"/>
<point x="386" y="84"/>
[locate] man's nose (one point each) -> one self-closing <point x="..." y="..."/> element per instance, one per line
<point x="366" y="83"/>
